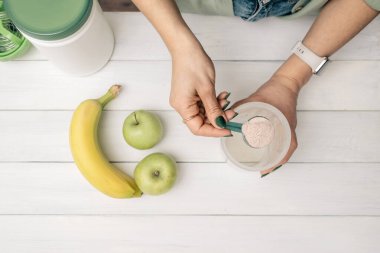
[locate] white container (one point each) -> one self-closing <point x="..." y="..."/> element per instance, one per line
<point x="240" y="155"/>
<point x="83" y="52"/>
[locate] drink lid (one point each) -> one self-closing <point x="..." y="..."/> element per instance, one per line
<point x="48" y="19"/>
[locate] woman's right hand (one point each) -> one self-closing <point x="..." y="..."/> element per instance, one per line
<point x="193" y="80"/>
<point x="193" y="93"/>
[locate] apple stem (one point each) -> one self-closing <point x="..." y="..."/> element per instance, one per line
<point x="137" y="122"/>
<point x="156" y="173"/>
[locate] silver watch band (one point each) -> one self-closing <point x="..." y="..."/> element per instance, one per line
<point x="309" y="57"/>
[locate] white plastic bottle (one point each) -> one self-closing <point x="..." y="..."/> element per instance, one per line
<point x="72" y="34"/>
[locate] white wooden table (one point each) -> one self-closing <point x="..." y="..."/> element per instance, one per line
<point x="326" y="199"/>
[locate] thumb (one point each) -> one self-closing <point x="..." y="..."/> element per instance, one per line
<point x="213" y="110"/>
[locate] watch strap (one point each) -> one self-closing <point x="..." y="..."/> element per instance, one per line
<point x="309" y="57"/>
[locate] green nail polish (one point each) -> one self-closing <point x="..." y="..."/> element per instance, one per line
<point x="276" y="168"/>
<point x="236" y="114"/>
<point x="225" y="106"/>
<point x="220" y="122"/>
<point x="271" y="171"/>
<point x="228" y="94"/>
<point x="229" y="135"/>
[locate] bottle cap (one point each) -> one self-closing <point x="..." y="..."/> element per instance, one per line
<point x="47" y="19"/>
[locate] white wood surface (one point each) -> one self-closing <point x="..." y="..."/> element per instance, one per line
<point x="327" y="199"/>
<point x="201" y="189"/>
<point x="332" y="136"/>
<point x="340" y="88"/>
<point x="99" y="234"/>
<point x="230" y="38"/>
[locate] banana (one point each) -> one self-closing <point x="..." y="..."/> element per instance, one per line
<point x="88" y="154"/>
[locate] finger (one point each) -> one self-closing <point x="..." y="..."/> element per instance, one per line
<point x="194" y="119"/>
<point x="223" y="95"/>
<point x="230" y="114"/>
<point x="198" y="127"/>
<point x="292" y="148"/>
<point x="214" y="111"/>
<point x="202" y="110"/>
<point x="268" y="171"/>
<point x="197" y="122"/>
<point x="282" y="162"/>
<point x="188" y="110"/>
<point x="223" y="103"/>
<point x="222" y="99"/>
<point x="243" y="101"/>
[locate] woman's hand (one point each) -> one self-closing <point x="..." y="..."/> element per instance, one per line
<point x="282" y="93"/>
<point x="193" y="93"/>
<point x="193" y="76"/>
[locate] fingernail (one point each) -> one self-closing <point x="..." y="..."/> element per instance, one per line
<point x="220" y="122"/>
<point x="271" y="171"/>
<point x="225" y="106"/>
<point x="228" y="94"/>
<point x="236" y="114"/>
<point x="276" y="168"/>
<point x="229" y="135"/>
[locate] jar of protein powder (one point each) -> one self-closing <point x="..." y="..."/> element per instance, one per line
<point x="73" y="34"/>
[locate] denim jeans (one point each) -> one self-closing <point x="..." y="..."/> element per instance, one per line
<point x="253" y="10"/>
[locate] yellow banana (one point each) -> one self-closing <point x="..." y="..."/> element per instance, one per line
<point x="88" y="154"/>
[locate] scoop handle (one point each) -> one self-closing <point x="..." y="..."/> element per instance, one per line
<point x="234" y="126"/>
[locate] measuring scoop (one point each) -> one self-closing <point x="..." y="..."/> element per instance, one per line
<point x="257" y="132"/>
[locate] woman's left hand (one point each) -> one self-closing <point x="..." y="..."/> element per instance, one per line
<point x="282" y="93"/>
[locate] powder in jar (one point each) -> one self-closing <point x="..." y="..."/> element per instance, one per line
<point x="258" y="132"/>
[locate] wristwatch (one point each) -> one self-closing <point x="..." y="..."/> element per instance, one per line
<point x="315" y="62"/>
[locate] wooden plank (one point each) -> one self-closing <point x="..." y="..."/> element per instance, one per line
<point x="347" y="85"/>
<point x="32" y="234"/>
<point x="228" y="38"/>
<point x="323" y="137"/>
<point x="201" y="189"/>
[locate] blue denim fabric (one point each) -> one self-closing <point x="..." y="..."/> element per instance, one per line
<point x="253" y="10"/>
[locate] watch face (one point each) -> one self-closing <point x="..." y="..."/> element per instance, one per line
<point x="317" y="71"/>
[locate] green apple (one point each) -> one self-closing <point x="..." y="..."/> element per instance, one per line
<point x="142" y="129"/>
<point x="156" y="174"/>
